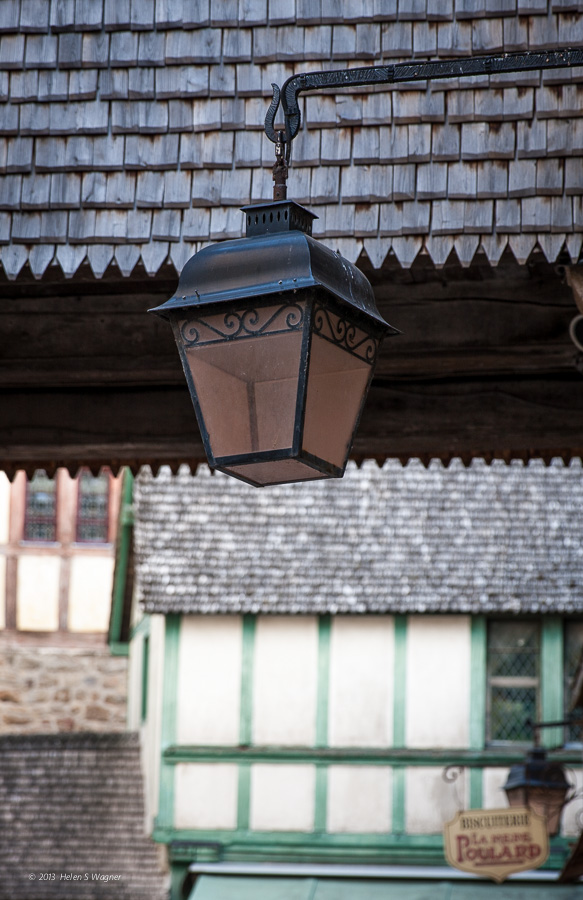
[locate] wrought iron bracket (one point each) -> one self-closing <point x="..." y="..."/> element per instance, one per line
<point x="401" y="72"/>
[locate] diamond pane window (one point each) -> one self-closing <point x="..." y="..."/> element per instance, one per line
<point x="40" y="518"/>
<point x="573" y="651"/>
<point x="93" y="509"/>
<point x="513" y="680"/>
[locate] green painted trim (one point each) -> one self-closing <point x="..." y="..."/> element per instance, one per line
<point x="400" y="682"/>
<point x="118" y="649"/>
<point x="142" y="627"/>
<point x="124" y="543"/>
<point x="178" y="873"/>
<point x="477" y="703"/>
<point x="551" y="680"/>
<point x="243" y="796"/>
<point x="307" y="840"/>
<point x="322" y="705"/>
<point x="355" y="756"/>
<point x="399" y="798"/>
<point x="165" y="817"/>
<point x="246" y="708"/>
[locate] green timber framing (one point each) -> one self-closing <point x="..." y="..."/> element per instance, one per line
<point x="122" y="584"/>
<point x="242" y="844"/>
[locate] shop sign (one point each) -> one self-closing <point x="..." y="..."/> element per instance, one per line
<point x="494" y="843"/>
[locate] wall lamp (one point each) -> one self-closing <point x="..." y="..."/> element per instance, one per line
<point x="278" y="335"/>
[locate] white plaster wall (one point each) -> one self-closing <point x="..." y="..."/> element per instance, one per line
<point x="285" y="675"/>
<point x="430" y="801"/>
<point x="2" y="591"/>
<point x="37" y="597"/>
<point x="209" y="680"/>
<point x="90" y="593"/>
<point x="4" y="508"/>
<point x="359" y="799"/>
<point x="152" y="728"/>
<point x="437" y="681"/>
<point x="360" y="710"/>
<point x="205" y="795"/>
<point x="493" y="797"/>
<point x="282" y="797"/>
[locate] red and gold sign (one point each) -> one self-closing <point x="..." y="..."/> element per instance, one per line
<point x="495" y="843"/>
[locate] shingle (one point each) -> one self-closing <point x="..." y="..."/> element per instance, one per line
<point x="482" y="139"/>
<point x="160" y="152"/>
<point x="306" y="148"/>
<point x="367" y="183"/>
<point x="561" y="214"/>
<point x="190" y="151"/>
<point x="339" y="221"/>
<point x="487" y="36"/>
<point x="366" y="220"/>
<point x="196" y="224"/>
<point x="489" y="104"/>
<point x="23" y="86"/>
<point x="151" y="48"/>
<point x="222" y="81"/>
<point x="35" y="191"/>
<point x="515" y="34"/>
<point x="141" y="84"/>
<point x="454" y="39"/>
<point x="126" y="257"/>
<point x="116" y="14"/>
<point x="542" y="33"/>
<point x="462" y="180"/>
<point x="232" y="113"/>
<point x="9" y="15"/>
<point x="536" y="213"/>
<point x="123" y="49"/>
<point x="348" y="109"/>
<point x="336" y="146"/>
<point x="153" y="117"/>
<point x="522" y="178"/>
<point x="12" y="51"/>
<point x="549" y="177"/>
<point x="88" y="15"/>
<point x="83" y="84"/>
<point x="280" y="12"/>
<point x="394" y="144"/>
<point x="121" y="190"/>
<point x="562" y="100"/>
<point x="531" y="139"/>
<point x="252" y="12"/>
<point x="404" y="182"/>
<point x="439" y="10"/>
<point x="99" y="257"/>
<point x="206" y="187"/>
<point x="72" y="118"/>
<point x="177" y="189"/>
<point x="26" y="227"/>
<point x="110" y="226"/>
<point x="65" y="190"/>
<point x="419" y="143"/>
<point x="93" y="189"/>
<point x="237" y="44"/>
<point x="289" y="43"/>
<point x="10" y="191"/>
<point x="62" y="15"/>
<point x="397" y="39"/>
<point x="492" y="180"/>
<point x="4" y="89"/>
<point x="424" y="39"/>
<point x="41" y="256"/>
<point x="431" y="181"/>
<point x="34" y="16"/>
<point x="254" y="107"/>
<point x="5" y="225"/>
<point x="3" y="153"/>
<point x="114" y="85"/>
<point x="138" y="225"/>
<point x="206" y="115"/>
<point x="573" y="175"/>
<point x="376" y="109"/>
<point x="366" y="145"/>
<point x="325" y="185"/>
<point x="70" y="50"/>
<point x="19" y="154"/>
<point x="53" y="227"/>
<point x="445" y="143"/>
<point x="507" y="216"/>
<point x="469" y="9"/>
<point x="368" y="41"/>
<point x="41" y="51"/>
<point x="225" y="223"/>
<point x="273" y="72"/>
<point x="166" y="225"/>
<point x="203" y="45"/>
<point x="142" y="15"/>
<point x="50" y="154"/>
<point x="318" y="42"/>
<point x="320" y="110"/>
<point x="344" y="41"/>
<point x="414" y="106"/>
<point x="236" y="187"/>
<point x="446" y="217"/>
<point x="571" y="29"/>
<point x="78" y="152"/>
<point x="308" y="11"/>
<point x="416" y="217"/>
<point x="181" y="81"/>
<point x="331" y="10"/>
<point x="248" y="147"/>
<point x="411" y="9"/>
<point x="53" y="85"/>
<point x="179" y="115"/>
<point x="460" y="106"/>
<point x="217" y="149"/>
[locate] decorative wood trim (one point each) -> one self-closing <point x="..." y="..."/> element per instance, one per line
<point x="399" y="721"/>
<point x="246" y="718"/>
<point x="551" y="679"/>
<point x="477" y="710"/>
<point x="165" y="817"/>
<point x="323" y="693"/>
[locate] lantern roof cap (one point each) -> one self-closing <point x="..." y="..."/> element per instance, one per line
<point x="283" y="258"/>
<point x="537" y="772"/>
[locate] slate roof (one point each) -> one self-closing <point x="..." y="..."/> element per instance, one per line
<point x="396" y="539"/>
<point x="133" y="129"/>
<point x="72" y="804"/>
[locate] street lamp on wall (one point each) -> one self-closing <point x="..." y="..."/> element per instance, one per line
<point x="540" y="785"/>
<point x="279" y="336"/>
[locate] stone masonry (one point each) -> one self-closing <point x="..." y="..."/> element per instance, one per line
<point x="49" y="689"/>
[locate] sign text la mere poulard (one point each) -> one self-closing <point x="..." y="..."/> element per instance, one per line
<point x="496" y="842"/>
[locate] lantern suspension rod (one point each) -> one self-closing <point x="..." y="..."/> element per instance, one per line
<point x="536" y="726"/>
<point x="393" y="74"/>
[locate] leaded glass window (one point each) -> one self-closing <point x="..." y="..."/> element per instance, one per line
<point x="573" y="652"/>
<point x="513" y="680"/>
<point x="93" y="508"/>
<point x="40" y="518"/>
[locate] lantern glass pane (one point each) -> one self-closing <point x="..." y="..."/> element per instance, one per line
<point x="337" y="384"/>
<point x="277" y="472"/>
<point x="245" y="368"/>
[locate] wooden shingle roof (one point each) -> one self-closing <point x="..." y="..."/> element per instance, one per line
<point x="133" y="130"/>
<point x="485" y="539"/>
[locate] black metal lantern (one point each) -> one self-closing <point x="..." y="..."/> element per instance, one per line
<point x="278" y="338"/>
<point x="539" y="785"/>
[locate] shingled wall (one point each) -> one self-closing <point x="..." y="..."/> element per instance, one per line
<point x="134" y="129"/>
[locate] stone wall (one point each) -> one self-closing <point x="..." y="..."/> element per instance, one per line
<point x="48" y="689"/>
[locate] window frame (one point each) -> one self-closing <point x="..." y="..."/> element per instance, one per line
<point x="106" y="518"/>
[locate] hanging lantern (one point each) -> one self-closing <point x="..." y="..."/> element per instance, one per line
<point x="540" y="785"/>
<point x="278" y="337"/>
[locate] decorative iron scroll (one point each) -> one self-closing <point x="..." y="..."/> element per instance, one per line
<point x="244" y="323"/>
<point x="342" y="332"/>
